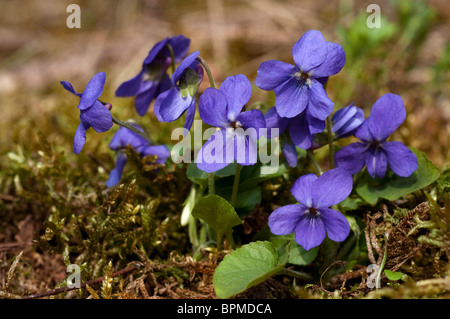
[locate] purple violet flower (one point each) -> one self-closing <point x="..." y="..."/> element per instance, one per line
<point x="387" y="114"/>
<point x="152" y="80"/>
<point x="299" y="87"/>
<point x="238" y="131"/>
<point x="93" y="113"/>
<point x="186" y="79"/>
<point x="312" y="219"/>
<point x="125" y="137"/>
<point x="346" y="121"/>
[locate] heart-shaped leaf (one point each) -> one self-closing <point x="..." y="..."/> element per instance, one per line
<point x="245" y="267"/>
<point x="392" y="187"/>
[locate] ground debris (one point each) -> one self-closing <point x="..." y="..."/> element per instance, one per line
<point x="180" y="277"/>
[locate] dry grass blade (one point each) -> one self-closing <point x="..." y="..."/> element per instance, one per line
<point x="12" y="271"/>
<point x="92" y="292"/>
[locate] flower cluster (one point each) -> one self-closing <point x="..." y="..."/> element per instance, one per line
<point x="302" y="114"/>
<point x="302" y="104"/>
<point x="152" y="80"/>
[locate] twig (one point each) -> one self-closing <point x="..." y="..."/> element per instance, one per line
<point x="338" y="262"/>
<point x="12" y="245"/>
<point x="83" y="285"/>
<point x="12" y="270"/>
<point x="373" y="236"/>
<point x="7" y="197"/>
<point x="411" y="254"/>
<point x="368" y="242"/>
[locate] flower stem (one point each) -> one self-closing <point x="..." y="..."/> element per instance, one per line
<point x="208" y="71"/>
<point x="383" y="263"/>
<point x="236" y="185"/>
<point x="313" y="160"/>
<point x="172" y="57"/>
<point x="219" y="241"/>
<point x="330" y="142"/>
<point x="329" y="135"/>
<point x="211" y="190"/>
<point x="131" y="128"/>
<point x="295" y="274"/>
<point x="213" y="85"/>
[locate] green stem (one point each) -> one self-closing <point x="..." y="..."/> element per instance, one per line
<point x="330" y="142"/>
<point x="193" y="233"/>
<point x="172" y="57"/>
<point x="219" y="241"/>
<point x="295" y="274"/>
<point x="211" y="190"/>
<point x="208" y="71"/>
<point x="313" y="160"/>
<point x="213" y="85"/>
<point x="236" y="185"/>
<point x="230" y="240"/>
<point x="383" y="263"/>
<point x="131" y="128"/>
<point x="330" y="135"/>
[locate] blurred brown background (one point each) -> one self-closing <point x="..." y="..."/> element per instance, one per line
<point x="37" y="50"/>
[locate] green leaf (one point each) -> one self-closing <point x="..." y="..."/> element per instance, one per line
<point x="245" y="267"/>
<point x="394" y="276"/>
<point x="392" y="187"/>
<point x="246" y="199"/>
<point x="251" y="175"/>
<point x="217" y="213"/>
<point x="200" y="177"/>
<point x="229" y="170"/>
<point x="196" y="175"/>
<point x="443" y="182"/>
<point x="297" y="255"/>
<point x="352" y="203"/>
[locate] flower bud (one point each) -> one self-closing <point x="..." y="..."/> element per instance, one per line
<point x="347" y="120"/>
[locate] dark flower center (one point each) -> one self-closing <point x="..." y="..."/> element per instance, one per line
<point x="302" y="77"/>
<point x="235" y="124"/>
<point x="154" y="72"/>
<point x="375" y="145"/>
<point x="313" y="211"/>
